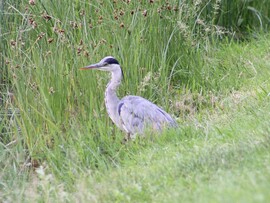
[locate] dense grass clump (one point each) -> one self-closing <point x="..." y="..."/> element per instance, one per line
<point x="206" y="62"/>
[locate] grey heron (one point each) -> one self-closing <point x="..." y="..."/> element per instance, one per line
<point x="132" y="114"/>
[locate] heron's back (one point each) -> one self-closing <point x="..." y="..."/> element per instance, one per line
<point x="136" y="114"/>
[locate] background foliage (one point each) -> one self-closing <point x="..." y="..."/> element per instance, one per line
<point x="197" y="59"/>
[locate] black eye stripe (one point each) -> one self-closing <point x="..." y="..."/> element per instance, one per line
<point x="111" y="61"/>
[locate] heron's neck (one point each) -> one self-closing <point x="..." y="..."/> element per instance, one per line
<point x="111" y="99"/>
<point x="115" y="81"/>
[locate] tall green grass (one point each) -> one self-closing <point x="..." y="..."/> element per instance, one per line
<point x="166" y="49"/>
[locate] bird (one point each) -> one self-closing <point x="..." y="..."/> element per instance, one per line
<point x="132" y="114"/>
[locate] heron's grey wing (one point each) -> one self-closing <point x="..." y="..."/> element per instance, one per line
<point x="137" y="113"/>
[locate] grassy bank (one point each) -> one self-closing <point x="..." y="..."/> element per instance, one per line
<point x="67" y="149"/>
<point x="220" y="154"/>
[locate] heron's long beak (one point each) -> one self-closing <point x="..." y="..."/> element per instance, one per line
<point x="97" y="65"/>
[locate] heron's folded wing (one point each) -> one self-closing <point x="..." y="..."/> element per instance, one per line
<point x="137" y="113"/>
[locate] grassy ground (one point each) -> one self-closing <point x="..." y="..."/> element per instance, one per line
<point x="68" y="150"/>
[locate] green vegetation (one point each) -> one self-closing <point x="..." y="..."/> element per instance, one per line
<point x="205" y="62"/>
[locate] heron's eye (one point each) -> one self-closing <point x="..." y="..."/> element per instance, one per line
<point x="105" y="64"/>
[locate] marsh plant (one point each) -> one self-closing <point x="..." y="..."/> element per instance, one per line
<point x="191" y="57"/>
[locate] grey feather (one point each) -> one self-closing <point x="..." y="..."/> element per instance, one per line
<point x="138" y="113"/>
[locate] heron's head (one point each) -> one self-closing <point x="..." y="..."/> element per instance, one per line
<point x="108" y="63"/>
